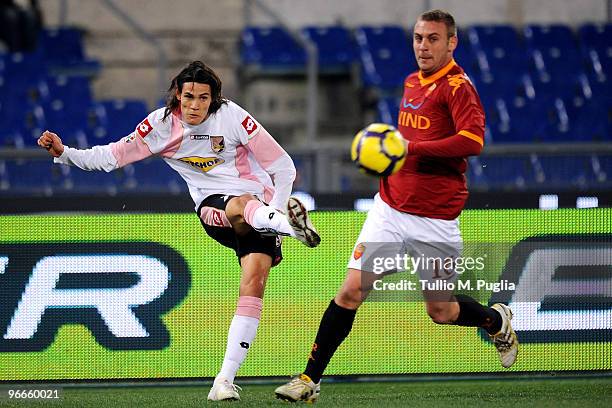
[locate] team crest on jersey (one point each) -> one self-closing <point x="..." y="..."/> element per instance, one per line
<point x="217" y="144"/>
<point x="204" y="164"/>
<point x="359" y="250"/>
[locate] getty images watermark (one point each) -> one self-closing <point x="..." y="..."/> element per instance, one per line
<point x="401" y="272"/>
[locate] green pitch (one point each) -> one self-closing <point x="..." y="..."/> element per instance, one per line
<point x="511" y="393"/>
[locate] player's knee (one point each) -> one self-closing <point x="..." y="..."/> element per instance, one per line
<point x="349" y="299"/>
<point x="234" y="210"/>
<point x="439" y="314"/>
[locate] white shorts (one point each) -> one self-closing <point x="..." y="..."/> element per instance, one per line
<point x="388" y="233"/>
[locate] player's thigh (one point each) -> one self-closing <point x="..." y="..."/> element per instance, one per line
<point x="379" y="237"/>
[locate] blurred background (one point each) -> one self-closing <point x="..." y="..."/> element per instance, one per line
<point x="313" y="73"/>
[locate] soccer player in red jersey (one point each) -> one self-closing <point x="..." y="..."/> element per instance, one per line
<point x="443" y="122"/>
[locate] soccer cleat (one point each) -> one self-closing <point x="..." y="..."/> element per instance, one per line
<point x="297" y="216"/>
<point x="223" y="390"/>
<point x="505" y="340"/>
<point x="300" y="388"/>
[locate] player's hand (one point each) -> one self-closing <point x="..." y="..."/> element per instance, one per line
<point x="52" y="143"/>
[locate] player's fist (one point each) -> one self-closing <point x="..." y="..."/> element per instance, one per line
<point x="52" y="143"/>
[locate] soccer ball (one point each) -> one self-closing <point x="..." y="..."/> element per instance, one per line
<point x="378" y="150"/>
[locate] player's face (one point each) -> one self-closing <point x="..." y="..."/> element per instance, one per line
<point x="195" y="100"/>
<point x="432" y="47"/>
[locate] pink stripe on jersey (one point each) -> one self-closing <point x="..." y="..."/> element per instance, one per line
<point x="242" y="164"/>
<point x="176" y="137"/>
<point x="268" y="193"/>
<point x="265" y="149"/>
<point x="130" y="150"/>
<point x="249" y="306"/>
<point x="249" y="210"/>
<point x="214" y="217"/>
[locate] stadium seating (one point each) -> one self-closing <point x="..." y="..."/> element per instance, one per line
<point x="386" y="56"/>
<point x="336" y="49"/>
<point x="271" y="49"/>
<point x="539" y="84"/>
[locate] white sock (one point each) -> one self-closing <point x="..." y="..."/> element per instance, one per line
<point x="265" y="218"/>
<point x="241" y="334"/>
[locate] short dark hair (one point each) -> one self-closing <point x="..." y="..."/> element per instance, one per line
<point x="199" y="72"/>
<point x="441" y="16"/>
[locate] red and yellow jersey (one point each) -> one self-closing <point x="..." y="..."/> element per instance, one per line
<point x="442" y="118"/>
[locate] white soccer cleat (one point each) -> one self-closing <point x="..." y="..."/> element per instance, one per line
<point x="300" y="388"/>
<point x="298" y="218"/>
<point x="505" y="340"/>
<point x="223" y="390"/>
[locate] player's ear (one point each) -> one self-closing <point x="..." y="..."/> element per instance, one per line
<point x="452" y="43"/>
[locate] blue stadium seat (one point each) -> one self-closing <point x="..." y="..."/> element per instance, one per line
<point x="567" y="172"/>
<point x="386" y="56"/>
<point x="92" y="182"/>
<point x="553" y="50"/>
<point x="335" y="45"/>
<point x="154" y="175"/>
<point x="501" y="47"/>
<point x="388" y="110"/>
<point x="506" y="173"/>
<point x="598" y="36"/>
<point x="62" y="48"/>
<point x="35" y="177"/>
<point x="117" y="118"/>
<point x="271" y="49"/>
<point x="69" y="125"/>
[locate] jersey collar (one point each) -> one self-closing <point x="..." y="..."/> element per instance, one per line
<point x="433" y="78"/>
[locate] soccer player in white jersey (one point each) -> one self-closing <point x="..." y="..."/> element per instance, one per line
<point x="239" y="177"/>
<point x="418" y="207"/>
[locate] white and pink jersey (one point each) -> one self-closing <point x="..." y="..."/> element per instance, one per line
<point x="229" y="153"/>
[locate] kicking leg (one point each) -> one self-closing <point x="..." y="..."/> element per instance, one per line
<point x="247" y="211"/>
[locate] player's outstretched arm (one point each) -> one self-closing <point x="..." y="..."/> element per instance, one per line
<point x="52" y="143"/>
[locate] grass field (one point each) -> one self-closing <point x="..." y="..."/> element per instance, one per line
<point x="512" y="393"/>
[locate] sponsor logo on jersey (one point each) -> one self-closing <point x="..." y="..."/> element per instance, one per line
<point x="217" y="144"/>
<point x="130" y="138"/>
<point x="249" y="125"/>
<point x="144" y="128"/>
<point x="204" y="164"/>
<point x="199" y="137"/>
<point x="412" y="120"/>
<point x="359" y="250"/>
<point x="409" y="103"/>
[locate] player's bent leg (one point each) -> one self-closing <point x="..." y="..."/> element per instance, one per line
<point x="442" y="312"/>
<point x="242" y="331"/>
<point x="462" y="310"/>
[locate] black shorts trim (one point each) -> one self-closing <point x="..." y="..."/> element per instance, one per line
<point x="252" y="242"/>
